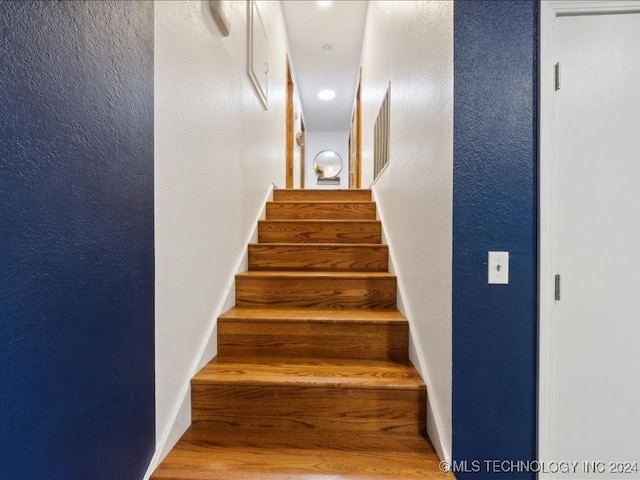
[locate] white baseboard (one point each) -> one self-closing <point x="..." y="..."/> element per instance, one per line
<point x="435" y="429"/>
<point x="180" y="418"/>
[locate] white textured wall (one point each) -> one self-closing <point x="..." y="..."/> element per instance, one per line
<point x="216" y="153"/>
<point x="318" y="140"/>
<point x="411" y="45"/>
<point x="297" y="127"/>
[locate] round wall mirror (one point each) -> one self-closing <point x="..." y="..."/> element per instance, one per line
<point x="327" y="164"/>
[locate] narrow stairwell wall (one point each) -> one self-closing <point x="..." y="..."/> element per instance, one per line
<point x="410" y="44"/>
<point x="217" y="152"/>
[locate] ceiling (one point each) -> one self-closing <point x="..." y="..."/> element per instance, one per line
<point x="311" y="28"/>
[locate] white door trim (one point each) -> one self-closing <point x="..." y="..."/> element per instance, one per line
<point x="547" y="255"/>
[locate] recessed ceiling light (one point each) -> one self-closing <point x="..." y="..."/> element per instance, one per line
<point x="326" y="94"/>
<point x="324" y="3"/>
<point x="327" y="46"/>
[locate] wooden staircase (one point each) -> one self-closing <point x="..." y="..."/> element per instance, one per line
<point x="312" y="378"/>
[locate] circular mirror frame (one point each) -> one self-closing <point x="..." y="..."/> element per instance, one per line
<point x="320" y="168"/>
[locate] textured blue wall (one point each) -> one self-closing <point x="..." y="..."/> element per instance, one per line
<point x="495" y="204"/>
<point x="76" y="240"/>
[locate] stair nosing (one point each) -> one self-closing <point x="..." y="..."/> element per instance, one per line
<point x="319" y="383"/>
<point x="318" y="220"/>
<point x="382" y="246"/>
<point x="314" y="321"/>
<point x="272" y="315"/>
<point x="322" y="202"/>
<point x="413" y="383"/>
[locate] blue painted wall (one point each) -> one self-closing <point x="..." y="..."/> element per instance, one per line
<point x="76" y="240"/>
<point x="495" y="185"/>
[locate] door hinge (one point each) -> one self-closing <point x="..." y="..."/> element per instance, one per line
<point x="557" y="288"/>
<point x="556" y="73"/>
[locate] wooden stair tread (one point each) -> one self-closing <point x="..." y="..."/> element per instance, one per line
<point x="318" y="211"/>
<point x="322" y="191"/>
<point x="324" y="221"/>
<point x="320" y="231"/>
<point x="319" y="256"/>
<point x="323" y="202"/>
<point x="313" y="274"/>
<point x="323" y="333"/>
<point x="343" y="246"/>
<point x="251" y="454"/>
<point x="341" y="290"/>
<point x="313" y="315"/>
<point x="227" y="453"/>
<point x="347" y="373"/>
<point x="305" y="438"/>
<point x="323" y="195"/>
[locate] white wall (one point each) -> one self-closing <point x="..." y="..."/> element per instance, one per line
<point x="217" y="151"/>
<point x="411" y="45"/>
<point x="297" y="127"/>
<point x="318" y="140"/>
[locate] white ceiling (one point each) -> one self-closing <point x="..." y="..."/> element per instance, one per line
<point x="310" y="26"/>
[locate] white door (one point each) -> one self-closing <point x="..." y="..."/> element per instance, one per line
<point x="594" y="379"/>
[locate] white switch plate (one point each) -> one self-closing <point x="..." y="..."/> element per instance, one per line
<point x="499" y="268"/>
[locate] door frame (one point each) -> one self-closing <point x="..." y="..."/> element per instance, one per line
<point x="547" y="215"/>
<point x="289" y="126"/>
<point x="357" y="170"/>
<point x="302" y="145"/>
<point x="355" y="138"/>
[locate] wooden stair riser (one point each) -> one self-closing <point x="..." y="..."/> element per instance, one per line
<point x="321" y="211"/>
<point x="377" y="293"/>
<point x="398" y="411"/>
<point x="298" y="339"/>
<point x="319" y="231"/>
<point x="322" y="195"/>
<point x="319" y="257"/>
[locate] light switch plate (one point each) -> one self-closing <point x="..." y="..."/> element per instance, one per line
<point x="499" y="268"/>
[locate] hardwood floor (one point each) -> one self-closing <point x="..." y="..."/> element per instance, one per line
<point x="312" y="380"/>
